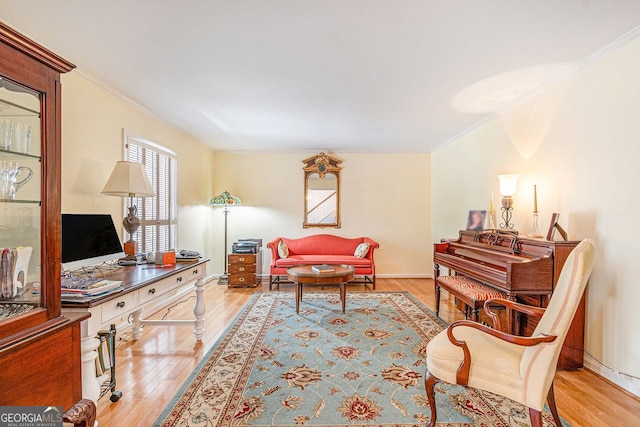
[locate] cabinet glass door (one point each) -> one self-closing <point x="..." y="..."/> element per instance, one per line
<point x="20" y="200"/>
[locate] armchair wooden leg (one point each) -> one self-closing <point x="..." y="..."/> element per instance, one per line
<point x="82" y="414"/>
<point x="551" y="399"/>
<point x="536" y="418"/>
<point x="429" y="384"/>
<point x="437" y="291"/>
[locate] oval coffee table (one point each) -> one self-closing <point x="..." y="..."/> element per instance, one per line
<point x="303" y="275"/>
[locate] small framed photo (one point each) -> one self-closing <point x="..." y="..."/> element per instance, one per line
<point x="476" y="219"/>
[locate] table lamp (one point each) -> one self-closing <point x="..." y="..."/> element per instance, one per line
<point x="129" y="179"/>
<point x="507" y="189"/>
<point x="225" y="199"/>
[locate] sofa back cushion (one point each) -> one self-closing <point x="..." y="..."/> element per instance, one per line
<point x="322" y="244"/>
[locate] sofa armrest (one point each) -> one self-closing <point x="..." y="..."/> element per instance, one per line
<point x="273" y="245"/>
<point x="373" y="246"/>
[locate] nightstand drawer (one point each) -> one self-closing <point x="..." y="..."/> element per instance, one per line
<point x="242" y="279"/>
<point x="242" y="268"/>
<point x="242" y="259"/>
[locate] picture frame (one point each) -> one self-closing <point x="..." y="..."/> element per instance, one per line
<point x="553" y="226"/>
<point x="476" y="220"/>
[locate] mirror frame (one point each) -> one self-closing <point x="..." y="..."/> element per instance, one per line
<point x="322" y="164"/>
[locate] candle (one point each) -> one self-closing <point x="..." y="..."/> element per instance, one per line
<point x="491" y="210"/>
<point x="535" y="199"/>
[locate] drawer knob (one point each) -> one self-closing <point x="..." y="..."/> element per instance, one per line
<point x="195" y="271"/>
<point x="179" y="279"/>
<point x="241" y="269"/>
<point x="241" y="259"/>
<point x="120" y="304"/>
<point x="241" y="279"/>
<point x="152" y="291"/>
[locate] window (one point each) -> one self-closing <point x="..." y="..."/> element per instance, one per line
<point x="158" y="215"/>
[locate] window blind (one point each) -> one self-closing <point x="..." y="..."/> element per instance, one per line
<point x="158" y="215"/>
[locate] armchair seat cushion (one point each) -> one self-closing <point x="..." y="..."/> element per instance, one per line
<point x="495" y="364"/>
<point x="294" y="260"/>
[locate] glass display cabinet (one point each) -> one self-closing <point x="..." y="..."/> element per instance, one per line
<point x="21" y="196"/>
<point x="32" y="328"/>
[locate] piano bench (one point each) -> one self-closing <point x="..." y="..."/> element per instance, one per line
<point x="469" y="291"/>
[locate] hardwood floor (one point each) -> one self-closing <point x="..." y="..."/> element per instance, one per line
<point x="150" y="371"/>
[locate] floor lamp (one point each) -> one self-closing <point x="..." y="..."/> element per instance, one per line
<point x="225" y="200"/>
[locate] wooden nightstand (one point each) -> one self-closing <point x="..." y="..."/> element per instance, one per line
<point x="244" y="270"/>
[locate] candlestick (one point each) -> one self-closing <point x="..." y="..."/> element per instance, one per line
<point x="491" y="209"/>
<point x="535" y="199"/>
<point x="535" y="230"/>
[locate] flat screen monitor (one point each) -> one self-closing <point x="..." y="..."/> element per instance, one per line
<point x="88" y="240"/>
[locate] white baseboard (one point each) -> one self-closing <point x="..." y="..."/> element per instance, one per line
<point x="612" y="375"/>
<point x="404" y="276"/>
<point x="379" y="276"/>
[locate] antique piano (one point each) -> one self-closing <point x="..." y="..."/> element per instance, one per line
<point x="524" y="269"/>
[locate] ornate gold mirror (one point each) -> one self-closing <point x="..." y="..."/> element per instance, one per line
<point x="321" y="191"/>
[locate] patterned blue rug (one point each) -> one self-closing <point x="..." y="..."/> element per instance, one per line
<point x="324" y="368"/>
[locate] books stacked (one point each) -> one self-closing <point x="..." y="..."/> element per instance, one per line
<point x="83" y="287"/>
<point x="323" y="269"/>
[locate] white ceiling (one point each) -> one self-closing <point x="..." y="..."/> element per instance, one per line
<point x="333" y="75"/>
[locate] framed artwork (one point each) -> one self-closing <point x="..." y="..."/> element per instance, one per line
<point x="476" y="219"/>
<point x="555" y="226"/>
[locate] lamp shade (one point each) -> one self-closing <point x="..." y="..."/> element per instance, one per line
<point x="128" y="179"/>
<point x="225" y="199"/>
<point x="508" y="184"/>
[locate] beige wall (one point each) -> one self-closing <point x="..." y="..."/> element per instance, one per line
<point x="580" y="143"/>
<point x="383" y="196"/>
<point x="92" y="134"/>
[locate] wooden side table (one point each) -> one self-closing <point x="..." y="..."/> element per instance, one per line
<point x="303" y="275"/>
<point x="244" y="270"/>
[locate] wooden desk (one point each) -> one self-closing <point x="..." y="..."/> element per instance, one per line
<point x="146" y="289"/>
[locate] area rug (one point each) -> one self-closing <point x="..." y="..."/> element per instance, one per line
<point x="325" y="368"/>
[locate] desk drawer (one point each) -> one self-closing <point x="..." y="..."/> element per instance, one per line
<point x="242" y="268"/>
<point x="170" y="283"/>
<point x="159" y="288"/>
<point x="119" y="306"/>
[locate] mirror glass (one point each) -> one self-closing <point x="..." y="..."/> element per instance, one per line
<point x="322" y="200"/>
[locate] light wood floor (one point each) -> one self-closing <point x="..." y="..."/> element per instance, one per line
<point x="150" y="371"/>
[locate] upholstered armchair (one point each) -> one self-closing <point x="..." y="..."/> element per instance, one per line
<point x="520" y="368"/>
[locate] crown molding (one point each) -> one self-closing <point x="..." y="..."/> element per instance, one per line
<point x="124" y="98"/>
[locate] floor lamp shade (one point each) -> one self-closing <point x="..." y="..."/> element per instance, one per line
<point x="128" y="179"/>
<point x="225" y="199"/>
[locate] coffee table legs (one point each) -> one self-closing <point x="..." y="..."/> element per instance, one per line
<point x="343" y="295"/>
<point x="298" y="296"/>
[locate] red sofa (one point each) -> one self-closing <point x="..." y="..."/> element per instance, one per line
<point x="322" y="249"/>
